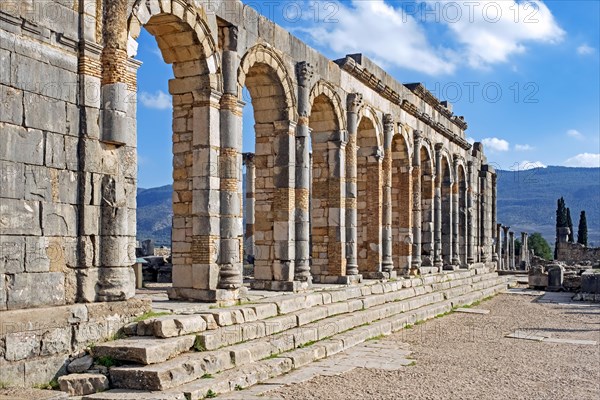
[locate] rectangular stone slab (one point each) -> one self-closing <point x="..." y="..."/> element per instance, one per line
<point x="472" y="310"/>
<point x="525" y="335"/>
<point x="145" y="350"/>
<point x="570" y="341"/>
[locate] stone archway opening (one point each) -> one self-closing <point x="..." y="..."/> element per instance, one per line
<point x="446" y="190"/>
<point x="427" y="193"/>
<point x="194" y="247"/>
<point x="369" y="195"/>
<point x="401" y="206"/>
<point x="326" y="256"/>
<point x="273" y="198"/>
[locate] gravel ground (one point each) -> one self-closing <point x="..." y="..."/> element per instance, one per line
<point x="466" y="356"/>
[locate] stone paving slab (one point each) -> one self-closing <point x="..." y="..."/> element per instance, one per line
<point x="570" y="341"/>
<point x="527" y="335"/>
<point x="31" y="394"/>
<point x="526" y="292"/>
<point x="557" y="297"/>
<point x="371" y="354"/>
<point x="472" y="310"/>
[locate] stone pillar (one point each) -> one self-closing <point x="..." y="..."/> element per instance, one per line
<point x="494" y="210"/>
<point x="417" y="223"/>
<point x="304" y="72"/>
<point x="506" y="261"/>
<point x="230" y="166"/>
<point x="512" y="250"/>
<point x="524" y="264"/>
<point x="437" y="209"/>
<point x="470" y="216"/>
<point x="499" y="247"/>
<point x="455" y="215"/>
<point x="354" y="102"/>
<point x="386" y="244"/>
<point x="483" y="231"/>
<point x="249" y="250"/>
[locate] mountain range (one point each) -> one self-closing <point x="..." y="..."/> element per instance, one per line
<point x="526" y="202"/>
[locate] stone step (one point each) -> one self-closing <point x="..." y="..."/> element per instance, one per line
<point x="253" y="372"/>
<point x="285" y="304"/>
<point x="144" y="350"/>
<point x="190" y="366"/>
<point x="148" y="350"/>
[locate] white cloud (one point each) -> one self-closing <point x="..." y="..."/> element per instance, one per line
<point x="495" y="144"/>
<point x="491" y="31"/>
<point x="584" y="50"/>
<point x="387" y="34"/>
<point x="586" y="160"/>
<point x="159" y="100"/>
<point x="574" y="134"/>
<point x="398" y="34"/>
<point x="523" y="147"/>
<point x="525" y="165"/>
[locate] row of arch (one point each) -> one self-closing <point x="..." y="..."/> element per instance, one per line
<point x="207" y="89"/>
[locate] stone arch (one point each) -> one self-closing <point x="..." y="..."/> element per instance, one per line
<point x="266" y="61"/>
<point x="446" y="180"/>
<point x="369" y="194"/>
<point x="326" y="89"/>
<point x="264" y="74"/>
<point x="370" y="114"/>
<point x="427" y="194"/>
<point x="182" y="32"/>
<point x="325" y="123"/>
<point x="401" y="202"/>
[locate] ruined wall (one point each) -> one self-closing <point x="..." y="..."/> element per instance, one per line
<point x="574" y="253"/>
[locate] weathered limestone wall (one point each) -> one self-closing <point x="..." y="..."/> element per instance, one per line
<point x="574" y="253"/>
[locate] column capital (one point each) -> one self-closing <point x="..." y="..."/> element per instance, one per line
<point x="354" y="102"/>
<point x="304" y="73"/>
<point x="231" y="37"/>
<point x="417" y="135"/>
<point x="438" y="148"/>
<point x="388" y="122"/>
<point x="248" y="158"/>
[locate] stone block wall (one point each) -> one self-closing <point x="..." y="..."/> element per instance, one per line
<point x="574" y="253"/>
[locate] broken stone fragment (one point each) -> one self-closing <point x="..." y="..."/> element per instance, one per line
<point x="82" y="384"/>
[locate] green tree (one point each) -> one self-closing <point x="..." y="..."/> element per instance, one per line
<point x="582" y="231"/>
<point x="540" y="246"/>
<point x="570" y="225"/>
<point x="561" y="214"/>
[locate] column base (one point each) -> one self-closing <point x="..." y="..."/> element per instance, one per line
<point x="221" y="296"/>
<point x="281" y="286"/>
<point x="428" y="270"/>
<point x="340" y="280"/>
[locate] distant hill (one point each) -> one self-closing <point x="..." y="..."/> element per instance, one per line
<point x="526" y="202"/>
<point x="527" y="199"/>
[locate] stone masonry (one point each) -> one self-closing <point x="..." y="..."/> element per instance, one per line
<point x="396" y="188"/>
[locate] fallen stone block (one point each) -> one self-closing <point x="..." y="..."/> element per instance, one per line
<point x="82" y="384"/>
<point x="80" y="364"/>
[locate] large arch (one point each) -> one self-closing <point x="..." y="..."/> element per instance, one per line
<point x="325" y="122"/>
<point x="446" y="211"/>
<point x="401" y="203"/>
<point x="369" y="194"/>
<point x="263" y="72"/>
<point x="187" y="43"/>
<point x="427" y="194"/>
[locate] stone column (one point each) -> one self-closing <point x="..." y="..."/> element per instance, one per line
<point x="483" y="231"/>
<point x="438" y="262"/>
<point x="493" y="205"/>
<point x="417" y="223"/>
<point x="455" y="215"/>
<point x="230" y="166"/>
<point x="354" y="102"/>
<point x="512" y="250"/>
<point x="386" y="241"/>
<point x="250" y="203"/>
<point x="499" y="246"/>
<point x="524" y="264"/>
<point x="469" y="217"/>
<point x="304" y="72"/>
<point x="506" y="261"/>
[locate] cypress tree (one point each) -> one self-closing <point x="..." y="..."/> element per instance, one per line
<point x="582" y="231"/>
<point x="570" y="225"/>
<point x="561" y="214"/>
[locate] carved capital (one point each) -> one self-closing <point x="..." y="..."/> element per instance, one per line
<point x="439" y="147"/>
<point x="304" y="72"/>
<point x="354" y="102"/>
<point x="248" y="158"/>
<point x="388" y="122"/>
<point x="231" y="37"/>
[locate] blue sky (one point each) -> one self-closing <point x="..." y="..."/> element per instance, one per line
<point x="526" y="75"/>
